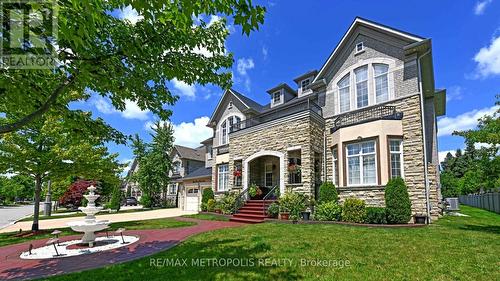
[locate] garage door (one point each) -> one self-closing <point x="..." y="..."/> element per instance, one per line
<point x="192" y="199"/>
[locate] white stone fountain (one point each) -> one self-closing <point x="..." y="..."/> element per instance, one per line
<point x="89" y="225"/>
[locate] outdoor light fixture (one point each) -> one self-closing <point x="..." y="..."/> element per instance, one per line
<point x="120" y="231"/>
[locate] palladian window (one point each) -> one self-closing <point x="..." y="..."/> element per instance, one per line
<point x="381" y="82"/>
<point x="361" y="86"/>
<point x="344" y="94"/>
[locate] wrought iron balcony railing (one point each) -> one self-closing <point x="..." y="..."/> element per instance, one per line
<point x="381" y="112"/>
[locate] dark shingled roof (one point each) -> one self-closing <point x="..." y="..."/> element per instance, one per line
<point x="196" y="154"/>
<point x="199" y="173"/>
<point x="248" y="101"/>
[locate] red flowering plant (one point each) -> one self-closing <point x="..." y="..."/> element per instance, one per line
<point x="74" y="195"/>
<point x="237" y="173"/>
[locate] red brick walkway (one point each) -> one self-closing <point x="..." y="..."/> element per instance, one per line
<point x="150" y="242"/>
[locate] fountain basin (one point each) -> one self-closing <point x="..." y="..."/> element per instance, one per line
<point x="88" y="227"/>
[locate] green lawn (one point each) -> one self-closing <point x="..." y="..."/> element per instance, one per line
<point x="80" y="214"/>
<point x="209" y="217"/>
<point x="9" y="238"/>
<point x="454" y="248"/>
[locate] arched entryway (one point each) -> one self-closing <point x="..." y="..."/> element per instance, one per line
<point x="266" y="169"/>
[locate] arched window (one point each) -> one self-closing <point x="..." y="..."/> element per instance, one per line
<point x="231" y="124"/>
<point x="344" y="94"/>
<point x="381" y="82"/>
<point x="361" y="86"/>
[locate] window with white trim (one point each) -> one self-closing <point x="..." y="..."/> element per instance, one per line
<point x="396" y="154"/>
<point x="172" y="189"/>
<point x="380" y="72"/>
<point x="294" y="167"/>
<point x="335" y="157"/>
<point x="304" y="84"/>
<point x="234" y="123"/>
<point x="177" y="167"/>
<point x="344" y="94"/>
<point x="360" y="47"/>
<point x="361" y="75"/>
<point x="268" y="171"/>
<point x="277" y="97"/>
<point x="361" y="163"/>
<point x="223" y="177"/>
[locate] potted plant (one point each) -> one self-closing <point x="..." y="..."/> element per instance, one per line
<point x="309" y="203"/>
<point x="252" y="190"/>
<point x="217" y="207"/>
<point x="237" y="173"/>
<point x="273" y="210"/>
<point x="284" y="213"/>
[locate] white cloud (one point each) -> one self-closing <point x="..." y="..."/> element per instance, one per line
<point x="454" y="93"/>
<point x="242" y="66"/>
<point x="130" y="14"/>
<point x="127" y="162"/>
<point x="132" y="110"/>
<point x="464" y="121"/>
<point x="189" y="134"/>
<point x="488" y="59"/>
<point x="442" y="154"/>
<point x="481" y="6"/>
<point x="213" y="19"/>
<point x="264" y="52"/>
<point x="184" y="89"/>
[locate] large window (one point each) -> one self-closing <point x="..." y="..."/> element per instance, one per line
<point x="268" y="170"/>
<point x="344" y="94"/>
<point x="361" y="164"/>
<point x="223" y="177"/>
<point x="381" y="82"/>
<point x="335" y="156"/>
<point x="294" y="170"/>
<point x="396" y="155"/>
<point x="231" y="124"/>
<point x="361" y="86"/>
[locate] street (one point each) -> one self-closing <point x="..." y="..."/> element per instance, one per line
<point x="9" y="214"/>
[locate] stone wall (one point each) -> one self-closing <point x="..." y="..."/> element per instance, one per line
<point x="304" y="130"/>
<point x="413" y="160"/>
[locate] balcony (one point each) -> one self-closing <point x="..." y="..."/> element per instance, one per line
<point x="278" y="112"/>
<point x="380" y="112"/>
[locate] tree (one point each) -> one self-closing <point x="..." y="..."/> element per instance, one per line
<point x="18" y="187"/>
<point x="122" y="60"/>
<point x="73" y="196"/>
<point x="57" y="146"/>
<point x="154" y="164"/>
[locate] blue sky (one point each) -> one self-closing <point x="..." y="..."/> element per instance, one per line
<point x="299" y="35"/>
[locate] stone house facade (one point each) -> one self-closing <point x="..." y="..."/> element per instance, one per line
<point x="368" y="115"/>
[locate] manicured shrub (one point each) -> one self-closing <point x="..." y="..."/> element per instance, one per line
<point x="116" y="198"/>
<point x="354" y="210"/>
<point x="273" y="210"/>
<point x="207" y="194"/>
<point x="146" y="200"/>
<point x="211" y="205"/>
<point x="328" y="193"/>
<point x="375" y="215"/>
<point x="397" y="201"/>
<point x="329" y="211"/>
<point x="294" y="203"/>
<point x="228" y="203"/>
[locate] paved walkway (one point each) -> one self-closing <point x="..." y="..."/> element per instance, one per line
<point x="135" y="216"/>
<point x="150" y="242"/>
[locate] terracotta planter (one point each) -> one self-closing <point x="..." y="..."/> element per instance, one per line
<point x="284" y="216"/>
<point x="217" y="211"/>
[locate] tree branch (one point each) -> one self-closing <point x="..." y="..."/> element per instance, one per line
<point x="48" y="103"/>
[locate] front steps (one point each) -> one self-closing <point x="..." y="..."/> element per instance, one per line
<point x="254" y="211"/>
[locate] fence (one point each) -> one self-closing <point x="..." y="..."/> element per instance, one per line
<point x="487" y="201"/>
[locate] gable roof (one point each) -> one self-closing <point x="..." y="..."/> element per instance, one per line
<point x="246" y="101"/>
<point x="196" y="154"/>
<point x="358" y="21"/>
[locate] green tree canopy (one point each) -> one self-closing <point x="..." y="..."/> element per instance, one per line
<point x="121" y="60"/>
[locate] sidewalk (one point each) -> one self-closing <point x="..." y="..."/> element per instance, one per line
<point x="136" y="216"/>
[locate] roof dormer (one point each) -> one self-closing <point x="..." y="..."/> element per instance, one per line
<point x="304" y="81"/>
<point x="281" y="94"/>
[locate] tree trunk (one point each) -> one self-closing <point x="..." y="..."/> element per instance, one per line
<point x="38" y="191"/>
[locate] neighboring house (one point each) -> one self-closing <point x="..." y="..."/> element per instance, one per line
<point x="368" y="115"/>
<point x="130" y="187"/>
<point x="185" y="163"/>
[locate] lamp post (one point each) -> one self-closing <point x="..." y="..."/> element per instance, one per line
<point x="47" y="211"/>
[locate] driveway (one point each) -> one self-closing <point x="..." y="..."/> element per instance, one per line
<point x="136" y="216"/>
<point x="10" y="214"/>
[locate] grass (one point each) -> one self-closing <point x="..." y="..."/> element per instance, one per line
<point x="9" y="238"/>
<point x="454" y="248"/>
<point x="209" y="217"/>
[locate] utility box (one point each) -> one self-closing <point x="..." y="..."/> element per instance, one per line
<point x="452" y="204"/>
